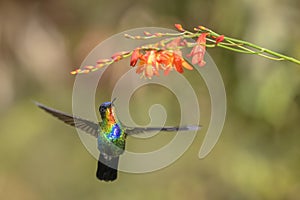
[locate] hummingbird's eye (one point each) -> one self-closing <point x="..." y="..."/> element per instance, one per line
<point x="102" y="109"/>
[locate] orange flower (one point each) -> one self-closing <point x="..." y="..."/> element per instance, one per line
<point x="150" y="62"/>
<point x="170" y="60"/>
<point x="148" y="65"/>
<point x="198" y="51"/>
<point x="134" y="57"/>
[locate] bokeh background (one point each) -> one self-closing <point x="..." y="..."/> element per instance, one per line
<point x="257" y="156"/>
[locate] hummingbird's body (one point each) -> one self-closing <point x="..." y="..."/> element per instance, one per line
<point x="111" y="143"/>
<point x="111" y="136"/>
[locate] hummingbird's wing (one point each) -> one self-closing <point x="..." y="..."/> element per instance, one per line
<point x="83" y="124"/>
<point x="138" y="130"/>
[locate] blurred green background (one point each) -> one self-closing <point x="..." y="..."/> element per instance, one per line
<point x="257" y="156"/>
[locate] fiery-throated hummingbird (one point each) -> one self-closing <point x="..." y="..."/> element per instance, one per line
<point x="111" y="136"/>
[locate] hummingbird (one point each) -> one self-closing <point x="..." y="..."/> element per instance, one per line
<point x="111" y="135"/>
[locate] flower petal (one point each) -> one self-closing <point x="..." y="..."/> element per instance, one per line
<point x="199" y="50"/>
<point x="177" y="61"/>
<point x="187" y="66"/>
<point x="134" y="57"/>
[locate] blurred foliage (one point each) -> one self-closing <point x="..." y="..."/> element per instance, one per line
<point x="257" y="156"/>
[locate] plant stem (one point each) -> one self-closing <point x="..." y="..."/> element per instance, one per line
<point x="242" y="44"/>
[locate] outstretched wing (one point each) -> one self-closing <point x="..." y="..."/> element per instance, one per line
<point x="83" y="124"/>
<point x="138" y="130"/>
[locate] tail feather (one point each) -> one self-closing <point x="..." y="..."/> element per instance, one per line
<point x="107" y="168"/>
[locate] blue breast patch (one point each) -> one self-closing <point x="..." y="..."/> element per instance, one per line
<point x="115" y="132"/>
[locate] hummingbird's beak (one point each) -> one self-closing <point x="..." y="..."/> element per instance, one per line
<point x="112" y="103"/>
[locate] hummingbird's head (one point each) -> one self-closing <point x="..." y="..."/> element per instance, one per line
<point x="106" y="110"/>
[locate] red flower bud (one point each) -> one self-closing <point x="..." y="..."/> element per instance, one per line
<point x="179" y="27"/>
<point x="134" y="57"/>
<point x="146" y="33"/>
<point x="219" y="39"/>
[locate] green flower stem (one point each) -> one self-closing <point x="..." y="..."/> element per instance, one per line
<point x="231" y="44"/>
<point x="242" y="44"/>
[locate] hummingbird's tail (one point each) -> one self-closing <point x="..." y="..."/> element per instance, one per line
<point x="107" y="169"/>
